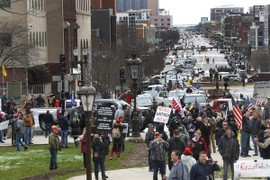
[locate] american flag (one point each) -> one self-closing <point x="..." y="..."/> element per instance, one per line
<point x="237" y="113"/>
<point x="252" y="102"/>
<point x="176" y="105"/>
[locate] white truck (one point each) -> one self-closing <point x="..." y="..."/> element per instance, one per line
<point x="261" y="90"/>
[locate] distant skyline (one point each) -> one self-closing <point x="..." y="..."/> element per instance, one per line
<point x="191" y="11"/>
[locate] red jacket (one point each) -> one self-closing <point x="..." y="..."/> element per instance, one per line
<point x="83" y="144"/>
<point x="128" y="98"/>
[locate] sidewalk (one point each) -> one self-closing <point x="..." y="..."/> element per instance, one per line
<point x="122" y="174"/>
<point x="143" y="174"/>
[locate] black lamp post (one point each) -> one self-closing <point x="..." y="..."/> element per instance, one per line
<point x="88" y="94"/>
<point x="134" y="65"/>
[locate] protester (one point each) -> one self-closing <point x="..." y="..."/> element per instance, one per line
<point x="175" y="143"/>
<point x="183" y="135"/>
<point x="158" y="148"/>
<point x="54" y="147"/>
<point x="64" y="125"/>
<point x="229" y="150"/>
<point x="117" y="138"/>
<point x="2" y="119"/>
<point x="83" y="146"/>
<point x="28" y="123"/>
<point x="20" y="130"/>
<point x="255" y="128"/>
<point x="198" y="144"/>
<point x="99" y="149"/>
<point x="187" y="158"/>
<point x="265" y="145"/>
<point x="75" y="124"/>
<point x="149" y="136"/>
<point x="204" y="168"/>
<point x="245" y="135"/>
<point x="221" y="131"/>
<point x="179" y="170"/>
<point x="48" y="120"/>
<point x="40" y="101"/>
<point x="162" y="133"/>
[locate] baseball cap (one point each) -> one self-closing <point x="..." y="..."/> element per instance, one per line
<point x="118" y="121"/>
<point x="16" y="116"/>
<point x="157" y="134"/>
<point x="187" y="151"/>
<point x="54" y="127"/>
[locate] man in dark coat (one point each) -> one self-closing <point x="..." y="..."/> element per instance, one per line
<point x="203" y="170"/>
<point x="229" y="150"/>
<point x="245" y="135"/>
<point x="48" y="120"/>
<point x="175" y="144"/>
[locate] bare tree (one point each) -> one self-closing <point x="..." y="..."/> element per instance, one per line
<point x="16" y="51"/>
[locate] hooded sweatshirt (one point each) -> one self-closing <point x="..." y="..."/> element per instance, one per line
<point x="188" y="160"/>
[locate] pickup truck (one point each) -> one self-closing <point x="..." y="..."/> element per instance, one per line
<point x="39" y="112"/>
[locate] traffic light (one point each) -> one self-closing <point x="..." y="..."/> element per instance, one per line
<point x="62" y="61"/>
<point x="122" y="73"/>
<point x="75" y="62"/>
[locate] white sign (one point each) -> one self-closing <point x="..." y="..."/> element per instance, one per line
<point x="4" y="125"/>
<point x="36" y="120"/>
<point x="251" y="168"/>
<point x="125" y="130"/>
<point x="162" y="114"/>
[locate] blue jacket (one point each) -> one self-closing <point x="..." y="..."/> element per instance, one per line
<point x="63" y="123"/>
<point x="203" y="172"/>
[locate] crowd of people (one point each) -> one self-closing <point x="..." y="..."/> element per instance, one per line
<point x="197" y="133"/>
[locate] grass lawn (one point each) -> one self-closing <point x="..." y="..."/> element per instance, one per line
<point x="35" y="161"/>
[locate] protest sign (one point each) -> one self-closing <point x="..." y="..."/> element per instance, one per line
<point x="252" y="168"/>
<point x="162" y="114"/>
<point x="4" y="125"/>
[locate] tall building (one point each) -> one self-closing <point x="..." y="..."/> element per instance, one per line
<point x="104" y="4"/>
<point x="204" y="19"/>
<point x="266" y="25"/>
<point x="154" y="6"/>
<point x="125" y="5"/>
<point x="217" y="13"/>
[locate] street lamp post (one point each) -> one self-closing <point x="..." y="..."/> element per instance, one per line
<point x="134" y="65"/>
<point x="87" y="94"/>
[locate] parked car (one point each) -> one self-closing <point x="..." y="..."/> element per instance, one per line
<point x="263" y="76"/>
<point x="225" y="69"/>
<point x="232" y="78"/>
<point x="191" y="98"/>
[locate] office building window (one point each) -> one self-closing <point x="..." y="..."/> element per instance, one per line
<point x="5" y="39"/>
<point x="38" y="39"/>
<point x="5" y="3"/>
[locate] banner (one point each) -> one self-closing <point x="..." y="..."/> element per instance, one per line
<point x="252" y="168"/>
<point x="162" y="114"/>
<point x="4" y="125"/>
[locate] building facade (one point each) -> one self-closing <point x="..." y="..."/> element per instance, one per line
<point x="51" y="28"/>
<point x="266" y="25"/>
<point x="217" y="13"/>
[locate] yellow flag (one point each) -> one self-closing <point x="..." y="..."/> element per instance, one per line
<point x="4" y="72"/>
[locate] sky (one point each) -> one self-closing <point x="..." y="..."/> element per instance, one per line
<point x="191" y="11"/>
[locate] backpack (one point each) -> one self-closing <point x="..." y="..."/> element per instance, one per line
<point x="116" y="133"/>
